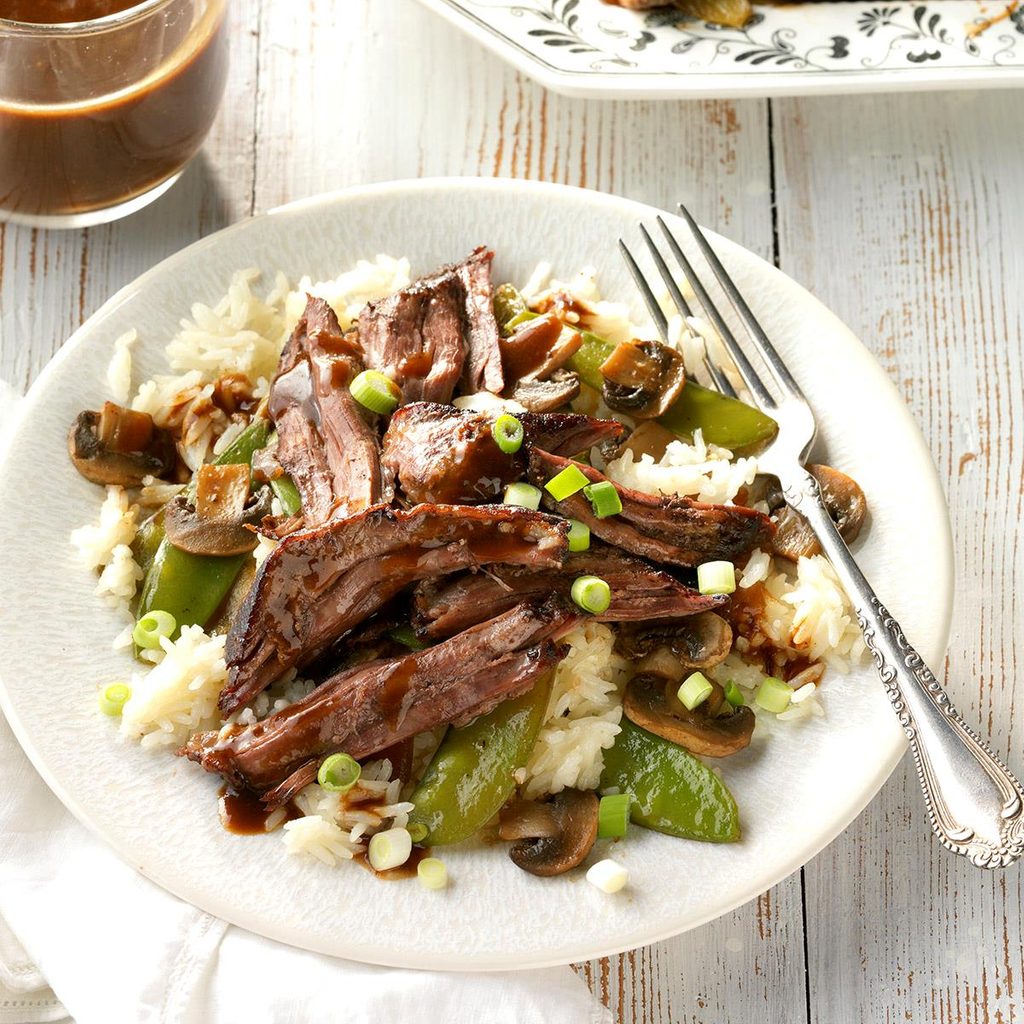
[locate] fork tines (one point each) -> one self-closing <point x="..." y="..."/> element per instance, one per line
<point x="758" y="390"/>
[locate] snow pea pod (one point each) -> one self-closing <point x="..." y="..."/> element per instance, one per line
<point x="673" y="791"/>
<point x="192" y="587"/>
<point x="722" y="420"/>
<point x="470" y="776"/>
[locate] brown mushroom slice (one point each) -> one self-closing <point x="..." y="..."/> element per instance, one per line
<point x="845" y="502"/>
<point x="642" y="378"/>
<point x="547" y="395"/>
<point x="217" y="520"/>
<point x="705" y="730"/>
<point x="528" y="819"/>
<point x="120" y="446"/>
<point x="698" y="641"/>
<point x="537" y="348"/>
<point x="575" y="813"/>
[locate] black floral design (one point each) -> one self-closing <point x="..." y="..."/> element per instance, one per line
<point x="876" y="36"/>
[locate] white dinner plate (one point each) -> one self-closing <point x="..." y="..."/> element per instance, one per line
<point x="797" y="787"/>
<point x="589" y="48"/>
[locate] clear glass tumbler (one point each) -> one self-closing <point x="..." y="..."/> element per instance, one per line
<point x="99" y="117"/>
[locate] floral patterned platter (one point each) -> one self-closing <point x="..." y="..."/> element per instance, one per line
<point x="589" y="48"/>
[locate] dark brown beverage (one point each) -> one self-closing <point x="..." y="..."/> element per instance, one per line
<point x="59" y="12"/>
<point x="102" y="114"/>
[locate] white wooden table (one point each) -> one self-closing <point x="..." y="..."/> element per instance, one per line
<point x="904" y="214"/>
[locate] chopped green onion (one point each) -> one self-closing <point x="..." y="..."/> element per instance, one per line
<point x="525" y="495"/>
<point x="716" y="578"/>
<point x="417" y="831"/>
<point x="608" y="875"/>
<point x="592" y="594"/>
<point x="339" y="773"/>
<point x="151" y="628"/>
<point x="113" y="699"/>
<point x="432" y="873"/>
<point x="287" y="493"/>
<point x="774" y="695"/>
<point x="390" y="849"/>
<point x="565" y="484"/>
<point x="734" y="695"/>
<point x="376" y="392"/>
<point x="579" y="535"/>
<point x="406" y="635"/>
<point x="613" y="815"/>
<point x="604" y="499"/>
<point x="507" y="432"/>
<point x="695" y="690"/>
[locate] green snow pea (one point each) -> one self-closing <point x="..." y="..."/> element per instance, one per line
<point x="673" y="791"/>
<point x="470" y="776"/>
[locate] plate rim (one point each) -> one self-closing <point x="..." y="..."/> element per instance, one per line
<point x="883" y="767"/>
<point x="648" y="85"/>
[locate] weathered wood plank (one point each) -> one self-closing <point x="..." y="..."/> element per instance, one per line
<point x="915" y="200"/>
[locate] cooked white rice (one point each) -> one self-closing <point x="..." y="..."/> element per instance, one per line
<point x="583" y="714"/>
<point x="119" y="372"/>
<point x="336" y="826"/>
<point x="178" y="696"/>
<point x="120" y="576"/>
<point x="116" y="528"/>
<point x="698" y="470"/>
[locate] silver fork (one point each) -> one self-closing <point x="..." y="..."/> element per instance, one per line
<point x="975" y="804"/>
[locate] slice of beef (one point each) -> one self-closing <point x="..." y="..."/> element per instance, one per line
<point x="640" y="592"/>
<point x="439" y="453"/>
<point x="547" y="395"/>
<point x="365" y="709"/>
<point x="325" y="441"/>
<point x="435" y="332"/>
<point x="483" y="370"/>
<point x="318" y="584"/>
<point x="678" y="531"/>
<point x="568" y="433"/>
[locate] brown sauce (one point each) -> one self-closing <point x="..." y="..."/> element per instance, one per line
<point x="394" y="692"/>
<point x="58" y="12"/>
<point x="416" y="364"/>
<point x="91" y="121"/>
<point x="403" y="871"/>
<point x="244" y="814"/>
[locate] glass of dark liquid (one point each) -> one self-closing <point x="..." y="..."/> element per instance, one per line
<point x="103" y="103"/>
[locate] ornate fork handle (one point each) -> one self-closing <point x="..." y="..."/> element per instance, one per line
<point x="975" y="804"/>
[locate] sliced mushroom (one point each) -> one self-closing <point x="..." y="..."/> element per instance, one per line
<point x="574" y="813"/>
<point x="537" y="348"/>
<point x="696" y="642"/>
<point x="642" y="378"/>
<point x="217" y="520"/>
<point x="845" y="502"/>
<point x="547" y="395"/>
<point x="528" y="819"/>
<point x="120" y="446"/>
<point x="712" y="729"/>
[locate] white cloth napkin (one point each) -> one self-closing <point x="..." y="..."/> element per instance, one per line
<point x="117" y="949"/>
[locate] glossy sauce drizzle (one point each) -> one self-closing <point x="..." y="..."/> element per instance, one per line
<point x="244" y="813"/>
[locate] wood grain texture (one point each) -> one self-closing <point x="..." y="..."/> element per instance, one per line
<point x="917" y="196"/>
<point x="904" y="214"/>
